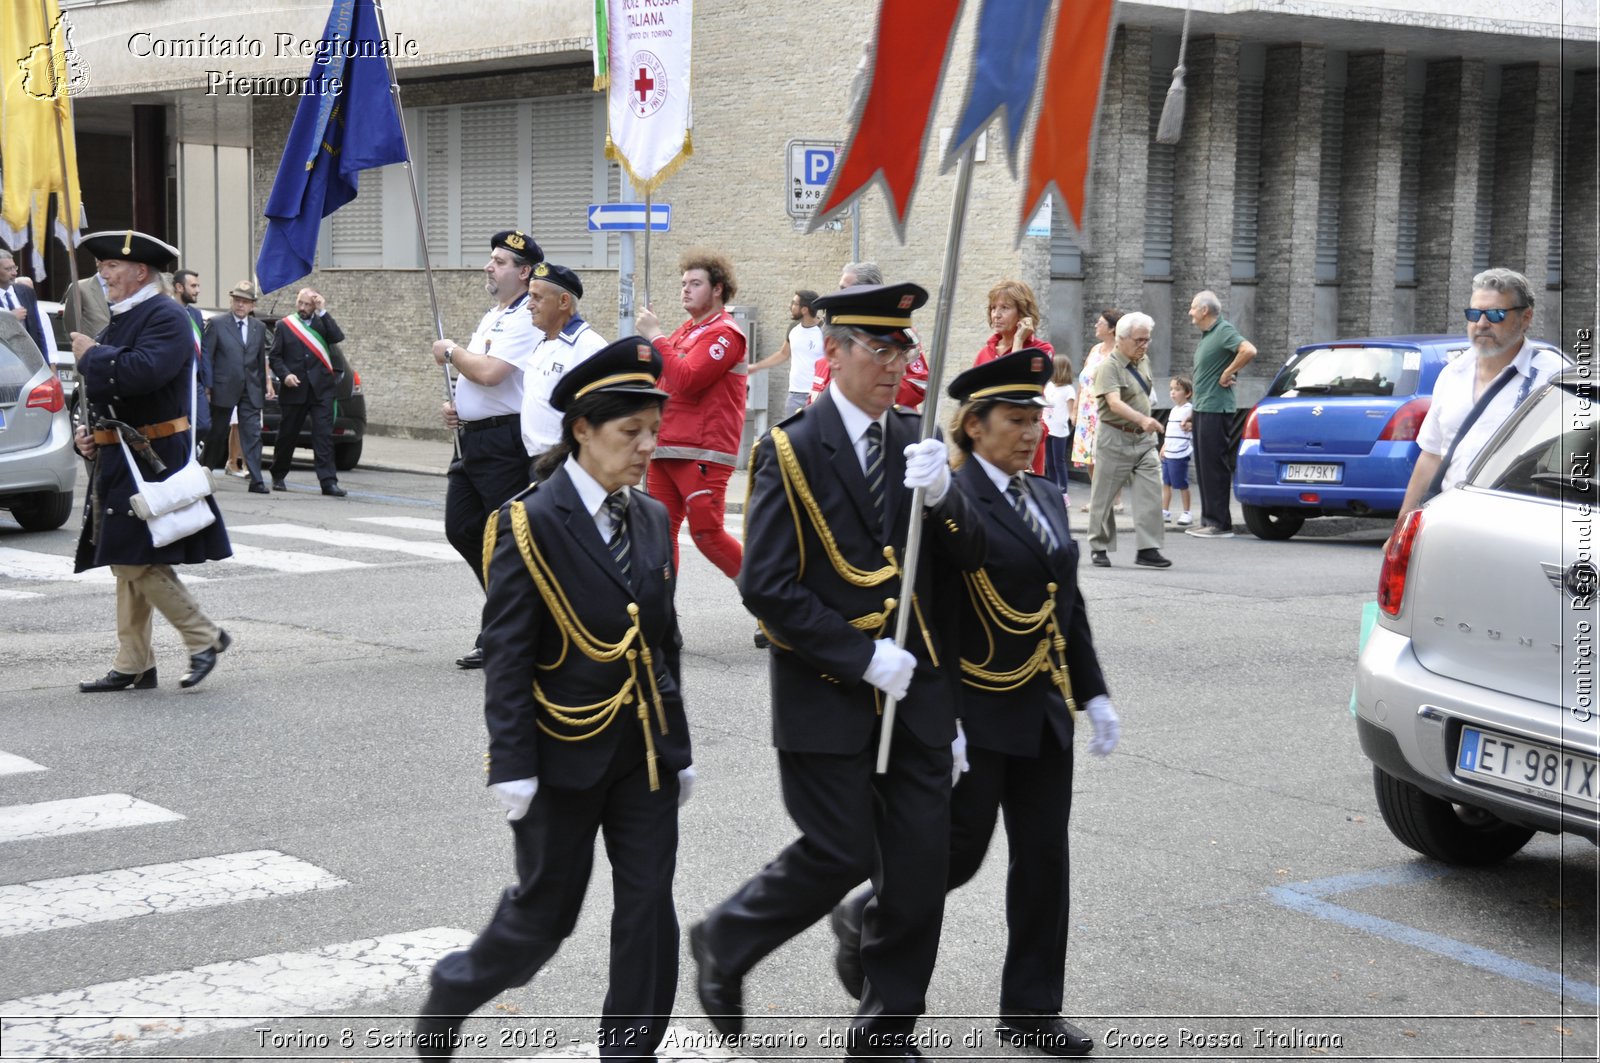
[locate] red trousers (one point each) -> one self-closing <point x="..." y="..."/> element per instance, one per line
<point x="697" y="490"/>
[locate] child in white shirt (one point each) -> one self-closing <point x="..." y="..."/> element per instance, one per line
<point x="1176" y="447"/>
<point x="1061" y="398"/>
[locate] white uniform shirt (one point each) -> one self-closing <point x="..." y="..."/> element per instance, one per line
<point x="554" y="355"/>
<point x="1454" y="396"/>
<point x="805" y="347"/>
<point x="507" y="334"/>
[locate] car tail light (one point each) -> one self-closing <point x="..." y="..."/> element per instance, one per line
<point x="355" y="382"/>
<point x="47" y="396"/>
<point x="1407" y="420"/>
<point x="1397" y="563"/>
<point x="1252" y="429"/>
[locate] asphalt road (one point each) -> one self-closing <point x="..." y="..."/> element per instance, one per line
<point x="1235" y="893"/>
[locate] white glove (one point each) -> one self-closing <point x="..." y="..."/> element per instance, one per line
<point x="686" y="779"/>
<point x="515" y="796"/>
<point x="958" y="755"/>
<point x="1107" y="728"/>
<point x="890" y="669"/>
<point x="928" y="467"/>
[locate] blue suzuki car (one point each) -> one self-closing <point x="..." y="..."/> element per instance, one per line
<point x="1336" y="434"/>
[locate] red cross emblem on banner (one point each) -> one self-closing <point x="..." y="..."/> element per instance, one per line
<point x="643" y="84"/>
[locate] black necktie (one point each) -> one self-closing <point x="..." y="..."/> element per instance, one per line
<point x="1017" y="491"/>
<point x="617" y="510"/>
<point x="874" y="468"/>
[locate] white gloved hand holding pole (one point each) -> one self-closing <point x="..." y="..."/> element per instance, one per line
<point x="958" y="755"/>
<point x="890" y="669"/>
<point x="928" y="467"/>
<point x="515" y="795"/>
<point x="1107" y="727"/>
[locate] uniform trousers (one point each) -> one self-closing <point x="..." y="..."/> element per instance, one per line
<point x="697" y="490"/>
<point x="141" y="588"/>
<point x="1135" y="460"/>
<point x="291" y="418"/>
<point x="555" y="856"/>
<point x="492" y="469"/>
<point x="1213" y="468"/>
<point x="855" y="824"/>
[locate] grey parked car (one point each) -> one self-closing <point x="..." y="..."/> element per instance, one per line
<point x="1475" y="691"/>
<point x="38" y="465"/>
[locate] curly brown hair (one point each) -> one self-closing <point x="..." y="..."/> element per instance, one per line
<point x="1019" y="295"/>
<point x="718" y="270"/>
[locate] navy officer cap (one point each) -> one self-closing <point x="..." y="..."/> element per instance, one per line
<point x="126" y="245"/>
<point x="630" y="366"/>
<point x="879" y="309"/>
<point x="518" y="243"/>
<point x="1018" y="378"/>
<point x="560" y="276"/>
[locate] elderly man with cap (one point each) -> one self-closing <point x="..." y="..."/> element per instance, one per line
<point x="587" y="733"/>
<point x="302" y="359"/>
<point x="564" y="341"/>
<point x="235" y="346"/>
<point x="826" y="529"/>
<point x="487" y="408"/>
<point x="1027" y="664"/>
<point x="142" y="373"/>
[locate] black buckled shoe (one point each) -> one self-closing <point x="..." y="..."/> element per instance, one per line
<point x="471" y="660"/>
<point x="1046" y="1031"/>
<point x="334" y="490"/>
<point x="115" y="680"/>
<point x="200" y="664"/>
<point x="846" y="923"/>
<point x="721" y="994"/>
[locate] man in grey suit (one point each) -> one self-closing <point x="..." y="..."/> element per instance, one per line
<point x="96" y="309"/>
<point x="236" y="347"/>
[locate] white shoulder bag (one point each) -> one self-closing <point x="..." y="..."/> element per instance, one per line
<point x="176" y="507"/>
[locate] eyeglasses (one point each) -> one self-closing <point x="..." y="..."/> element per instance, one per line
<point x="882" y="355"/>
<point x="1494" y="316"/>
<point x="1138" y="341"/>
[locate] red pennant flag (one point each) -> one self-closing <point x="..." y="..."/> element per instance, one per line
<point x="912" y="47"/>
<point x="1067" y="110"/>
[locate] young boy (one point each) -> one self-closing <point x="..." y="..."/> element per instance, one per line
<point x="1176" y="447"/>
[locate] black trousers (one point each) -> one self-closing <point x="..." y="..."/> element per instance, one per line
<point x="319" y="407"/>
<point x="492" y="469"/>
<point x="555" y="856"/>
<point x="854" y="824"/>
<point x="1213" y="467"/>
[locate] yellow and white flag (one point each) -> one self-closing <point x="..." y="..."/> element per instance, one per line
<point x="648" y="112"/>
<point x="35" y="78"/>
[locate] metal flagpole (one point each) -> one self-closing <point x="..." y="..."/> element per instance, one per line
<point x="930" y="416"/>
<point x="644" y="289"/>
<point x="416" y="206"/>
<point x="58" y="89"/>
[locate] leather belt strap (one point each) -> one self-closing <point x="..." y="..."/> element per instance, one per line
<point x="1122" y="427"/>
<point x="108" y="436"/>
<point x="491" y="422"/>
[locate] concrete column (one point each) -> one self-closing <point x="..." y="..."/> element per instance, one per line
<point x="1369" y="194"/>
<point x="1291" y="161"/>
<point x="1580" y="254"/>
<point x="1202" y="222"/>
<point x="1113" y="263"/>
<point x="1529" y="123"/>
<point x="1452" y="108"/>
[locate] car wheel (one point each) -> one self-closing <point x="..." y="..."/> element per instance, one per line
<point x="42" y="510"/>
<point x="1454" y="834"/>
<point x="1274" y="524"/>
<point x="347" y="456"/>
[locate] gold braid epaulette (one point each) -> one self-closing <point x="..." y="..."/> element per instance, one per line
<point x="994" y="612"/>
<point x="491" y="532"/>
<point x="795" y="486"/>
<point x="598" y="716"/>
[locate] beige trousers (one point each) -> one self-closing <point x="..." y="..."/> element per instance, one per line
<point x="1123" y="459"/>
<point x="141" y="587"/>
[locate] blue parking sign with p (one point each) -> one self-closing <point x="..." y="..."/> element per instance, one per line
<point x="819" y="166"/>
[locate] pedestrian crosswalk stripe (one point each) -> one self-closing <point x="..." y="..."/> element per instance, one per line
<point x="29" y="564"/>
<point x="423" y="524"/>
<point x="11" y="764"/>
<point x="234" y="994"/>
<point x="206" y="882"/>
<point x="78" y="815"/>
<point x="287" y="560"/>
<point x="434" y="551"/>
<point x="17" y="596"/>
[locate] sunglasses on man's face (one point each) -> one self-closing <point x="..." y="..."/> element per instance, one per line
<point x="1494" y="316"/>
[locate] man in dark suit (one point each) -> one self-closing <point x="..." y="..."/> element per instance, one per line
<point x="235" y="349"/>
<point x="186" y="289"/>
<point x="19" y="300"/>
<point x="303" y="363"/>
<point x="826" y="532"/>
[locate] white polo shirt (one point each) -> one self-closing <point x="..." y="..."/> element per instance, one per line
<point x="554" y="355"/>
<point x="508" y="334"/>
<point x="1454" y="396"/>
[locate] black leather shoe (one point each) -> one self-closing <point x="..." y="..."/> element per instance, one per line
<point x="1099" y="558"/>
<point x="200" y="664"/>
<point x="761" y="640"/>
<point x="846" y="923"/>
<point x="471" y="660"/>
<point x="279" y="485"/>
<point x="438" y="1028"/>
<point x="721" y="994"/>
<point x="1151" y="558"/>
<point x="115" y="680"/>
<point x="334" y="490"/>
<point x="259" y="488"/>
<point x="1049" y="1033"/>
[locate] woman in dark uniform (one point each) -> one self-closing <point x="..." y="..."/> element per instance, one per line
<point x="586" y="727"/>
<point x="1027" y="665"/>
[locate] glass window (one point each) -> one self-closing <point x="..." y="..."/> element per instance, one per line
<point x="1548" y="449"/>
<point x="1349" y="371"/>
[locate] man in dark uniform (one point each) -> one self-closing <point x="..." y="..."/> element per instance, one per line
<point x="303" y="364"/>
<point x="826" y="531"/>
<point x="142" y="373"/>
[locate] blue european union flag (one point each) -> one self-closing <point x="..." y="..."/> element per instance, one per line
<point x="346" y="123"/>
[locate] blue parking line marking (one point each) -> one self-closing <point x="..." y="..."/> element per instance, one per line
<point x="1306" y="898"/>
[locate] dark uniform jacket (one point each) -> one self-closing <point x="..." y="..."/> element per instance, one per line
<point x="790" y="581"/>
<point x="140" y="373"/>
<point x="526" y="641"/>
<point x="1019" y="571"/>
<point x="289" y="354"/>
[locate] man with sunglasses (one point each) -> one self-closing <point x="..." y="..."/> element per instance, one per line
<point x="1473" y="396"/>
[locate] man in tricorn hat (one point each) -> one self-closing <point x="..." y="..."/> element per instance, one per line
<point x="142" y="374"/>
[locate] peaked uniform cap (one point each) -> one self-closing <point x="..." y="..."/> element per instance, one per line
<point x="879" y="309"/>
<point x="1018" y="378"/>
<point x="629" y="366"/>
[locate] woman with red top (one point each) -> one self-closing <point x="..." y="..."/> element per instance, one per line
<point x="1014" y="315"/>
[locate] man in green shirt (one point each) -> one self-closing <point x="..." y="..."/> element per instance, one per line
<point x="1218" y="358"/>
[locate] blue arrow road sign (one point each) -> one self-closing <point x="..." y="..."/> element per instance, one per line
<point x="629" y="217"/>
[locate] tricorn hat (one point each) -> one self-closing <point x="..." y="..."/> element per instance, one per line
<point x="127" y="245"/>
